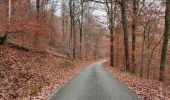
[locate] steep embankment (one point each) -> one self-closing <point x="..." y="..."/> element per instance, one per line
<point x="33" y="75"/>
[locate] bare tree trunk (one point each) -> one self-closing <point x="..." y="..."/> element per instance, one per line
<point x="125" y="28"/>
<point x="149" y="61"/>
<point x="72" y="32"/>
<point x="134" y="35"/>
<point x="51" y="30"/>
<point x="165" y="42"/>
<point x="110" y="15"/>
<point x="9" y="12"/>
<point x="63" y="18"/>
<point x="36" y="35"/>
<point x="81" y="26"/>
<point x="117" y="50"/>
<point x="4" y="38"/>
<point x="111" y="37"/>
<point x="143" y="44"/>
<point x="71" y="25"/>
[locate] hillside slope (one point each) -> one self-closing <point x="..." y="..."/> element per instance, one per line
<point x="33" y="75"/>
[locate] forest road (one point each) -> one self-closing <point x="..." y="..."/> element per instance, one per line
<point x="93" y="83"/>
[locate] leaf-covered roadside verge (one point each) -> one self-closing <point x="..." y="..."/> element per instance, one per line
<point x="33" y="75"/>
<point x="145" y="89"/>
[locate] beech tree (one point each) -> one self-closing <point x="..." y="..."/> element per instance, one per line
<point x="72" y="5"/>
<point x="134" y="25"/>
<point x="125" y="29"/>
<point x="130" y="33"/>
<point x="165" y="42"/>
<point x="110" y="10"/>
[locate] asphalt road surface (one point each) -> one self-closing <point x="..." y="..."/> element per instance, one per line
<point x="93" y="83"/>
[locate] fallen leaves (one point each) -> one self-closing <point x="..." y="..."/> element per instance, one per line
<point x="145" y="89"/>
<point x="32" y="75"/>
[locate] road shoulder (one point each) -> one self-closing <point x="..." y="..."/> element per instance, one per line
<point x="145" y="89"/>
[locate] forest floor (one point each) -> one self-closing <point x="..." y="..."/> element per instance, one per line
<point x="33" y="75"/>
<point x="145" y="89"/>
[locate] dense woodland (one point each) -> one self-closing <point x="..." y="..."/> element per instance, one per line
<point x="135" y="37"/>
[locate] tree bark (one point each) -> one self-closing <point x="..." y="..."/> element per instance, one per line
<point x="38" y="8"/>
<point x="81" y="26"/>
<point x="134" y="35"/>
<point x="111" y="36"/>
<point x="117" y="50"/>
<point x="125" y="28"/>
<point x="73" y="30"/>
<point x="165" y="42"/>
<point x="109" y="6"/>
<point x="143" y="45"/>
<point x="63" y="18"/>
<point x="38" y="17"/>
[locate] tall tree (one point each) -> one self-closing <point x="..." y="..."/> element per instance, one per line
<point x="38" y="8"/>
<point x="134" y="34"/>
<point x="125" y="28"/>
<point x="109" y="8"/>
<point x="165" y="42"/>
<point x="38" y="17"/>
<point x="64" y="20"/>
<point x="73" y="30"/>
<point x="143" y="48"/>
<point x="81" y="24"/>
